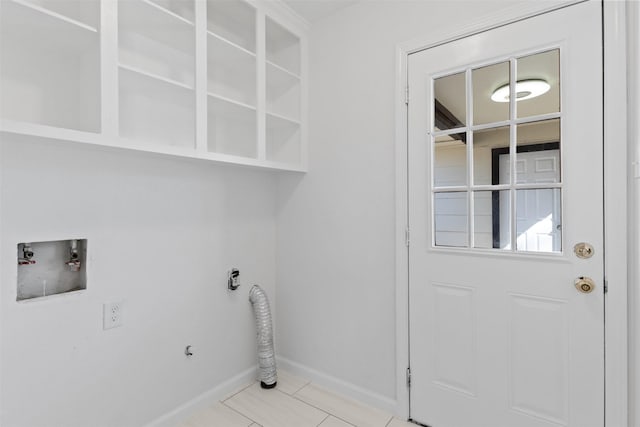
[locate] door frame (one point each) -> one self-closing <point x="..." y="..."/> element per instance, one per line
<point x="615" y="186"/>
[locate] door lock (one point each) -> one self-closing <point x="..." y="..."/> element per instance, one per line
<point x="584" y="284"/>
<point x="583" y="250"/>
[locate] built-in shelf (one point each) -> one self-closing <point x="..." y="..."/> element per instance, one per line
<point x="234" y="21"/>
<point x="157" y="40"/>
<point x="155" y="110"/>
<point x="231" y="70"/>
<point x="49" y="68"/>
<point x="283" y="140"/>
<point x="278" y="120"/>
<point x="84" y="14"/>
<point x="155" y="76"/>
<point x="156" y="50"/>
<point x="182" y="9"/>
<point x="232" y="128"/>
<point x="283" y="92"/>
<point x="214" y="80"/>
<point x="283" y="47"/>
<point x="231" y="101"/>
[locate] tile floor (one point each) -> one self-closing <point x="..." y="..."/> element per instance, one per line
<point x="295" y="402"/>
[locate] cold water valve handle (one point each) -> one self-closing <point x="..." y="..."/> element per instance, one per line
<point x="27" y="255"/>
<point x="232" y="282"/>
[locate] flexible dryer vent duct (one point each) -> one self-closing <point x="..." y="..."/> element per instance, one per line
<point x="266" y="355"/>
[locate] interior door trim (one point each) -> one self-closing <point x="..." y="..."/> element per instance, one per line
<point x="615" y="183"/>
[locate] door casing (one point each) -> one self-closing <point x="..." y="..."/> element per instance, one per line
<point x="615" y="188"/>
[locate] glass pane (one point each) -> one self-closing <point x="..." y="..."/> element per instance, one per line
<point x="539" y="220"/>
<point x="538" y="152"/>
<point x="486" y="82"/>
<point x="450" y="160"/>
<point x="538" y="84"/>
<point x="492" y="219"/>
<point x="450" y="109"/>
<point x="491" y="156"/>
<point x="450" y="219"/>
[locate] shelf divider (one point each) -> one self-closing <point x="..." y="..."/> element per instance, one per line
<point x="261" y="84"/>
<point x="45" y="11"/>
<point x="167" y="11"/>
<point x="155" y="76"/>
<point x="201" y="53"/>
<point x="232" y="101"/>
<point x="284" y="70"/>
<point x="230" y="43"/>
<point x="109" y="68"/>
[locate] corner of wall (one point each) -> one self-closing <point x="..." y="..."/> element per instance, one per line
<point x="339" y="386"/>
<point x="207" y="398"/>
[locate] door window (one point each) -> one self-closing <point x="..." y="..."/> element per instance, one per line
<point x="496" y="156"/>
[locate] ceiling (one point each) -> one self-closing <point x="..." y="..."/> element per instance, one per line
<point x="315" y="10"/>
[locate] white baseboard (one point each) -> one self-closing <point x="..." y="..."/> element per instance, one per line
<point x="219" y="392"/>
<point x="339" y="386"/>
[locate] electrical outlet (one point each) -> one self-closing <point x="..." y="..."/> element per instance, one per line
<point x="112" y="314"/>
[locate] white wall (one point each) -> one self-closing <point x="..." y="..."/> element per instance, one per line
<point x="161" y="235"/>
<point x="633" y="22"/>
<point x="336" y="235"/>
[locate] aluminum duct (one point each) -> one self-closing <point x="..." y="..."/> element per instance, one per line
<point x="266" y="355"/>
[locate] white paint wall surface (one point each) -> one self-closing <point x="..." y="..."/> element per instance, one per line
<point x="633" y="73"/>
<point x="161" y="235"/>
<point x="336" y="225"/>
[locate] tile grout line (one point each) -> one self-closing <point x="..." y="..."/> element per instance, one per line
<point x="300" y="388"/>
<point x="339" y="396"/>
<point x="240" y="413"/>
<point x="325" y="419"/>
<point x="284" y="394"/>
<point x="237" y="392"/>
<point x="323" y="410"/>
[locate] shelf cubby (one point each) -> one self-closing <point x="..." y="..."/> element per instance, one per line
<point x="283" y="92"/>
<point x="234" y="21"/>
<point x="155" y="110"/>
<point x="231" y="70"/>
<point x="231" y="127"/>
<point x="50" y="67"/>
<point x="157" y="40"/>
<point x="282" y="47"/>
<point x="283" y="140"/>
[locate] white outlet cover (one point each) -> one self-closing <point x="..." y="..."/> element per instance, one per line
<point x="112" y="314"/>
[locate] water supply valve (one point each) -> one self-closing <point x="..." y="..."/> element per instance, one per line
<point x="74" y="258"/>
<point x="233" y="282"/>
<point x="27" y="255"/>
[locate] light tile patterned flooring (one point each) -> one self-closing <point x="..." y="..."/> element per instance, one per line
<point x="295" y="402"/>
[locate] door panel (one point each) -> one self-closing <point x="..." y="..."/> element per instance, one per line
<point x="498" y="196"/>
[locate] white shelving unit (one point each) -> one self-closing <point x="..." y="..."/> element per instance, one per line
<point x="214" y="80"/>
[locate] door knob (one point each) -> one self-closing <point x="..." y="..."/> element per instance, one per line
<point x="584" y="284"/>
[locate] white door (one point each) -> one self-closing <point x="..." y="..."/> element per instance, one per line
<point x="500" y="191"/>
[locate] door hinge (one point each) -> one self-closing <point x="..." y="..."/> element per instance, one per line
<point x="408" y="377"/>
<point x="406" y="95"/>
<point x="606" y="286"/>
<point x="407" y="237"/>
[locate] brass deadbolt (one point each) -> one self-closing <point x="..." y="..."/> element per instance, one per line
<point x="583" y="250"/>
<point x="585" y="284"/>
